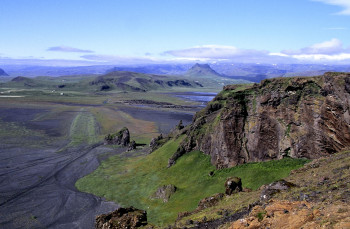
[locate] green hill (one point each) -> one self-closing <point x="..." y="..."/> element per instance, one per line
<point x="132" y="81"/>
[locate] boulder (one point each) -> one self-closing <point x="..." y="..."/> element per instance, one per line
<point x="164" y="192"/>
<point x="233" y="185"/>
<point x="121" y="137"/>
<point x="269" y="190"/>
<point x="122" y="218"/>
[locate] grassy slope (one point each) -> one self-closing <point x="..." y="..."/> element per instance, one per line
<point x="131" y="181"/>
<point x="112" y="120"/>
<point x="84" y="129"/>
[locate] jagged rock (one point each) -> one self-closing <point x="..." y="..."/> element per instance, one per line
<point x="122" y="137"/>
<point x="132" y="145"/>
<point x="122" y="218"/>
<point x="155" y="143"/>
<point x="209" y="201"/>
<point x="233" y="185"/>
<point x="300" y="117"/>
<point x="180" y="126"/>
<point x="165" y="192"/>
<point x="185" y="147"/>
<point x="269" y="190"/>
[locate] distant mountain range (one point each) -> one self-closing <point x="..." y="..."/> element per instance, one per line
<point x="3" y="73"/>
<point x="235" y="71"/>
<point x="113" y="81"/>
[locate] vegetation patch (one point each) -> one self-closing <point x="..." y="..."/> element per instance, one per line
<point x="132" y="181"/>
<point x="84" y="129"/>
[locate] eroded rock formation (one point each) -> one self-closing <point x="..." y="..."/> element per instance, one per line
<point x="121" y="137"/>
<point x="283" y="117"/>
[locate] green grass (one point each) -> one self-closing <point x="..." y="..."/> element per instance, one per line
<point x="84" y="129"/>
<point x="132" y="181"/>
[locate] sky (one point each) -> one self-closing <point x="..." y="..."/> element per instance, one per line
<point x="123" y="32"/>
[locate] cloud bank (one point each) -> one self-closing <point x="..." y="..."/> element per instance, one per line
<point x="67" y="49"/>
<point x="326" y="52"/>
<point x="331" y="51"/>
<point x="215" y="52"/>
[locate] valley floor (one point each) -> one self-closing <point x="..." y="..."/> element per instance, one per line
<point x="47" y="144"/>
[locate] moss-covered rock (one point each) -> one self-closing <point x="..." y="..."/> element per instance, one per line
<point x="121" y="137"/>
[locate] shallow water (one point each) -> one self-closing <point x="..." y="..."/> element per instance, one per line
<point x="202" y="97"/>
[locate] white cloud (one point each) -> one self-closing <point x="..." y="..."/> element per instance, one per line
<point x="67" y="49"/>
<point x="345" y="4"/>
<point x="323" y="57"/>
<point x="334" y="46"/>
<point x="331" y="51"/>
<point x="215" y="52"/>
<point x="114" y="59"/>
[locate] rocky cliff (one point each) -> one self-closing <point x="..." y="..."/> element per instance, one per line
<point x="282" y="117"/>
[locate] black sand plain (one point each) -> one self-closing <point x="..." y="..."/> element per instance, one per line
<point x="39" y="168"/>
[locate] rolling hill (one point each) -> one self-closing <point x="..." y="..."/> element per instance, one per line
<point x="132" y="81"/>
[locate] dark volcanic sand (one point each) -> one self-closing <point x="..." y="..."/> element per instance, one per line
<point x="37" y="183"/>
<point x="37" y="180"/>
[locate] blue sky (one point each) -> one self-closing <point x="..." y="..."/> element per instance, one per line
<point x="157" y="31"/>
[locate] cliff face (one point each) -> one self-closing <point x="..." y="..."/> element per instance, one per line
<point x="296" y="117"/>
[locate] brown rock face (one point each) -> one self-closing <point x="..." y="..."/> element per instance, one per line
<point x="295" y="117"/>
<point x="122" y="218"/>
<point x="279" y="214"/>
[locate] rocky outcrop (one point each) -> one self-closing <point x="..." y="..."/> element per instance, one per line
<point x="132" y="145"/>
<point x="280" y="214"/>
<point x="164" y="192"/>
<point x="233" y="185"/>
<point x="269" y="190"/>
<point x="301" y="117"/>
<point x="122" y="137"/>
<point x="209" y="201"/>
<point x="156" y="143"/>
<point x="122" y="218"/>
